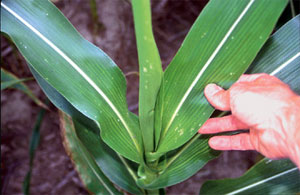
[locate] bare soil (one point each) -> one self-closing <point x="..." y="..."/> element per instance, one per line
<point x="53" y="172"/>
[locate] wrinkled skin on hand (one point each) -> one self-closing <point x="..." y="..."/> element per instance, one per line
<point x="264" y="105"/>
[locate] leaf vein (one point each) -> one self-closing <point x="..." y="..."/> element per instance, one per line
<point x="262" y="181"/>
<point x="76" y="67"/>
<point x="211" y="58"/>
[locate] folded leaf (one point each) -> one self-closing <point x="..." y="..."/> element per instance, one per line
<point x="183" y="164"/>
<point x="88" y="133"/>
<point x="150" y="69"/>
<point x="221" y="44"/>
<point x="89" y="172"/>
<point x="266" y="177"/>
<point x="78" y="70"/>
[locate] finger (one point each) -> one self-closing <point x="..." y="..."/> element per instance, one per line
<point x="223" y="124"/>
<point x="217" y="97"/>
<point x="235" y="142"/>
<point x="250" y="77"/>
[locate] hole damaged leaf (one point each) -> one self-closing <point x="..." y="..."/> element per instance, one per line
<point x="150" y="70"/>
<point x="220" y="46"/>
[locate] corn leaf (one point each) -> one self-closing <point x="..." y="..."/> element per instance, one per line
<point x="9" y="80"/>
<point x="11" y="83"/>
<point x="280" y="57"/>
<point x="183" y="164"/>
<point x="220" y="46"/>
<point x="150" y="70"/>
<point x="78" y="70"/>
<point x="91" y="175"/>
<point x="88" y="133"/>
<point x="266" y="177"/>
<point x="109" y="162"/>
<point x="34" y="143"/>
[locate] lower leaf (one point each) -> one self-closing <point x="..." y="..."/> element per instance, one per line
<point x="91" y="175"/>
<point x="108" y="160"/>
<point x="88" y="134"/>
<point x="266" y="177"/>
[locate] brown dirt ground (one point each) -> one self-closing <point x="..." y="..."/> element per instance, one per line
<point x="53" y="172"/>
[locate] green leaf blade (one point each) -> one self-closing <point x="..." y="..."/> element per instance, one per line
<point x="277" y="58"/>
<point x="267" y="177"/>
<point x="9" y="80"/>
<point x="150" y="69"/>
<point x="90" y="174"/>
<point x="107" y="160"/>
<point x="7" y="84"/>
<point x="280" y="56"/>
<point x="78" y="70"/>
<point x="88" y="133"/>
<point x="189" y="159"/>
<point x="34" y="143"/>
<point x="212" y="56"/>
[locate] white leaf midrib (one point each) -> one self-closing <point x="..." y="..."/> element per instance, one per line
<point x="211" y="58"/>
<point x="262" y="181"/>
<point x="282" y="66"/>
<point x="76" y="67"/>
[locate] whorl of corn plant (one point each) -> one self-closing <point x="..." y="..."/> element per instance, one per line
<point x="160" y="147"/>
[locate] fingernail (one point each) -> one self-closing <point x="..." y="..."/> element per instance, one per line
<point x="217" y="143"/>
<point x="212" y="89"/>
<point x="202" y="130"/>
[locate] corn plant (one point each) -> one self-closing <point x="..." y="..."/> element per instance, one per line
<point x="109" y="145"/>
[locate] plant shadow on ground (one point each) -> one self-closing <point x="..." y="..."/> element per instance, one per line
<point x="53" y="172"/>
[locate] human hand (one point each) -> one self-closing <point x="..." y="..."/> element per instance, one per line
<point x="264" y="105"/>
